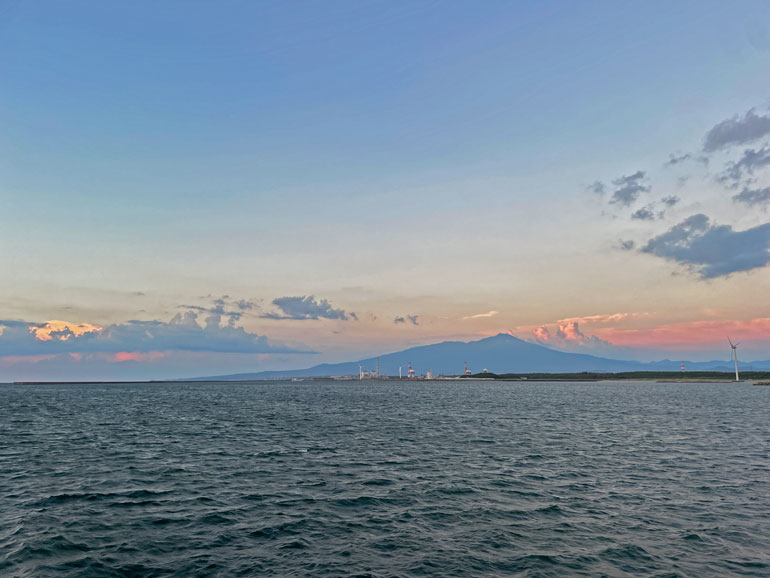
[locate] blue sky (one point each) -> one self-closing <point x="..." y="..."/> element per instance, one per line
<point x="382" y="157"/>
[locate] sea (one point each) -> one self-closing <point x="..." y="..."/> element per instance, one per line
<point x="382" y="479"/>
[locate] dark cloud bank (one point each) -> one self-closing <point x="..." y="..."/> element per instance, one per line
<point x="712" y="250"/>
<point x="628" y="188"/>
<point x="307" y="307"/>
<point x="736" y="131"/>
<point x="753" y="197"/>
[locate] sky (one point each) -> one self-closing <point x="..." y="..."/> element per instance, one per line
<point x="198" y="188"/>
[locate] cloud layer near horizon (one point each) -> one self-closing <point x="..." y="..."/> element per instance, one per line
<point x="181" y="333"/>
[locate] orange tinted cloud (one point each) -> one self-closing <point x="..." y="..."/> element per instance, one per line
<point x="690" y="335"/>
<point x="137" y="356"/>
<point x="62" y="330"/>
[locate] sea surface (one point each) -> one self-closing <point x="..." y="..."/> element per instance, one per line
<point x="385" y="479"/>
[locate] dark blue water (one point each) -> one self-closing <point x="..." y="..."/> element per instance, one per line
<point x="385" y="479"/>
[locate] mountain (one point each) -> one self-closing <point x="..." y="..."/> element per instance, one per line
<point x="502" y="353"/>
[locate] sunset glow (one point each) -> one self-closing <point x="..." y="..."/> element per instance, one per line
<point x="691" y="335"/>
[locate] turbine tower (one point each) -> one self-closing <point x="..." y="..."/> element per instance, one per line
<point x="735" y="356"/>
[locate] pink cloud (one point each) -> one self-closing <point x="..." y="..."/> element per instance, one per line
<point x="542" y="333"/>
<point x="567" y="336"/>
<point x="570" y="331"/>
<point x="690" y="335"/>
<point x="137" y="356"/>
<point x="14" y="359"/>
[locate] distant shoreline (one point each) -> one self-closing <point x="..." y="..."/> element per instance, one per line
<point x="651" y="377"/>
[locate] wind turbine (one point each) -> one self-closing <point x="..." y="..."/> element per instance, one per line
<point x="735" y="356"/>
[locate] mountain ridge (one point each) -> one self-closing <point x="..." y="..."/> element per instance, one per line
<point x="501" y="353"/>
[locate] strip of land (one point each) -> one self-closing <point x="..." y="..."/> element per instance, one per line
<point x="667" y="376"/>
<point x="659" y="376"/>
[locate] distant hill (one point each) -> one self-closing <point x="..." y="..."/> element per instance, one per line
<point x="502" y="353"/>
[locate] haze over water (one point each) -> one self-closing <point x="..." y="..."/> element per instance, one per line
<point x="385" y="479"/>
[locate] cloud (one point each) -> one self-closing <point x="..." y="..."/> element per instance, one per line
<point x="644" y="214"/>
<point x="245" y="304"/>
<point x="306" y="307"/>
<point x="542" y="333"/>
<point x="181" y="333"/>
<point x="603" y="318"/>
<point x="413" y="319"/>
<point x="670" y="200"/>
<point x="629" y="188"/>
<point x="567" y="335"/>
<point x="675" y="160"/>
<point x="137" y="356"/>
<point x="223" y="307"/>
<point x="712" y="250"/>
<point x="598" y="188"/>
<point x="736" y="131"/>
<point x="62" y="330"/>
<point x="750" y="161"/>
<point x="753" y="197"/>
<point x="570" y="331"/>
<point x="626" y="245"/>
<point x="691" y="334"/>
<point x="480" y="315"/>
<point x="7" y="360"/>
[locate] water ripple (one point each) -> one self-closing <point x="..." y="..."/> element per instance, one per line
<point x="388" y="479"/>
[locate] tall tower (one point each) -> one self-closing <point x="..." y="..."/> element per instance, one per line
<point x="734" y="347"/>
<point x="683" y="367"/>
<point x="378" y="367"/>
<point x="410" y="371"/>
<point x="467" y="371"/>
